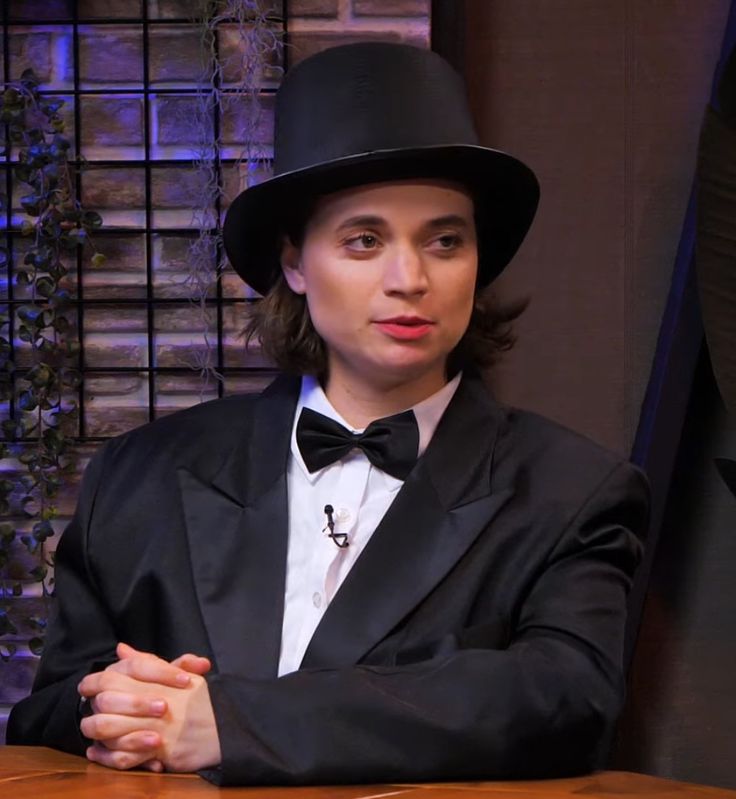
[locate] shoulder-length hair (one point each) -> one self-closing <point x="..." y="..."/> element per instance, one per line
<point x="281" y="323"/>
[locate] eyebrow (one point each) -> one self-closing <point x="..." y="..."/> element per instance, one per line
<point x="370" y="220"/>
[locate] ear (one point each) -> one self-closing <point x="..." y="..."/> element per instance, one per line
<point x="291" y="266"/>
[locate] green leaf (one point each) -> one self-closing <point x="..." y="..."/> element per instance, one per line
<point x="30" y="313"/>
<point x="36" y="646"/>
<point x="32" y="204"/>
<point x="91" y="219"/>
<point x="28" y="76"/>
<point x="42" y="530"/>
<point x="38" y="572"/>
<point x="9" y="428"/>
<point x="7" y="533"/>
<point x="7" y="651"/>
<point x="6" y="625"/>
<point x="60" y="324"/>
<point x="45" y="286"/>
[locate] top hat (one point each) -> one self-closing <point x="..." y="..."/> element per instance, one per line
<point x="374" y="112"/>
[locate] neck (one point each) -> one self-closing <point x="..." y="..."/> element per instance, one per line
<point x="360" y="402"/>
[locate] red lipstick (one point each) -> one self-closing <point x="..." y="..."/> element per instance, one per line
<point x="405" y="328"/>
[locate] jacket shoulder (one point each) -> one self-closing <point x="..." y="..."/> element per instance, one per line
<point x="567" y="465"/>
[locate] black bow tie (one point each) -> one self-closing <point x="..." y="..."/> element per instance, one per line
<point x="390" y="444"/>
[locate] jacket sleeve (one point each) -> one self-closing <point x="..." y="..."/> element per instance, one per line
<point x="80" y="639"/>
<point x="540" y="707"/>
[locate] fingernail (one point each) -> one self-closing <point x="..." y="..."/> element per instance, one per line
<point x="150" y="739"/>
<point x="158" y="706"/>
<point x="183" y="679"/>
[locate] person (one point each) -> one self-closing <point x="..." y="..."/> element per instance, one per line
<point x="373" y="571"/>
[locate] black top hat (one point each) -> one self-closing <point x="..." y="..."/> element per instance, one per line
<point x="372" y="112"/>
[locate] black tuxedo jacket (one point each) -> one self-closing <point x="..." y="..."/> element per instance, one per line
<point x="479" y="635"/>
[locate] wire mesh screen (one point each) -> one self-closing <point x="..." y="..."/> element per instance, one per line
<point x="159" y="144"/>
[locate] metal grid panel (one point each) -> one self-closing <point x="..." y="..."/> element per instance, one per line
<point x="151" y="303"/>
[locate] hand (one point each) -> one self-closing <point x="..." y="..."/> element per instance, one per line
<point x="151" y="713"/>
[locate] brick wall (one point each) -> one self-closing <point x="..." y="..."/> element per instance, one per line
<point x="112" y="129"/>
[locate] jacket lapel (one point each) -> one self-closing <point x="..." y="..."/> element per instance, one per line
<point x="237" y="528"/>
<point x="440" y="510"/>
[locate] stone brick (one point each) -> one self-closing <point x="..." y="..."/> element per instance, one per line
<point x="112" y="319"/>
<point x="391" y="8"/>
<point x="108" y="9"/>
<point x="31" y="50"/>
<point x="114" y="351"/>
<point x="113" y="188"/>
<point x="236" y="177"/>
<point x="232" y="55"/>
<point x="108" y="422"/>
<point x="187" y="384"/>
<point x="303" y="44"/>
<point x="123" y="253"/>
<point x="113" y="385"/>
<point x="111" y="54"/>
<point x="168" y="9"/>
<point x="176" y="54"/>
<point x="41" y="10"/>
<point x="184" y="318"/>
<point x="314" y="8"/>
<point x="191" y="352"/>
<point x="237" y="120"/>
<point x="111" y="121"/>
<point x="174" y="187"/>
<point x="180" y="121"/>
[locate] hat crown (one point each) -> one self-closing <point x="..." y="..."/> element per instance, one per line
<point x="362" y="98"/>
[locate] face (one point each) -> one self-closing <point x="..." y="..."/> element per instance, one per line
<point x="389" y="274"/>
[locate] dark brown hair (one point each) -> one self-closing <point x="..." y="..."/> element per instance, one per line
<point x="281" y="322"/>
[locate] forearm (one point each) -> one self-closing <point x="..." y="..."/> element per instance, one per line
<point x="532" y="710"/>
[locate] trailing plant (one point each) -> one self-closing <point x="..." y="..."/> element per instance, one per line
<point x="258" y="48"/>
<point x="38" y="344"/>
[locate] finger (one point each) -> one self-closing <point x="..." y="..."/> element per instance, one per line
<point x="141" y="741"/>
<point x="117" y="759"/>
<point x="128" y="704"/>
<point x="195" y="664"/>
<point x="148" y="669"/>
<point x="108" y="680"/>
<point x="124" y="651"/>
<point x="153" y="765"/>
<point x="105" y="726"/>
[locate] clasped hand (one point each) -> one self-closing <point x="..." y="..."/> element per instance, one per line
<point x="151" y="713"/>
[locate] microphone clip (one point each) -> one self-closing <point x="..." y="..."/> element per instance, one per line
<point x="340" y="539"/>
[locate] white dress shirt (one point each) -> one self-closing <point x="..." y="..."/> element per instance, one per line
<point x="360" y="494"/>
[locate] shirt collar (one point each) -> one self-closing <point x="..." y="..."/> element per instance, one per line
<point x="428" y="413"/>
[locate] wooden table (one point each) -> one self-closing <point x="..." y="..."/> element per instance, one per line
<point x="27" y="771"/>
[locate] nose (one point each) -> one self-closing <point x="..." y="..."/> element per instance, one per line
<point x="405" y="271"/>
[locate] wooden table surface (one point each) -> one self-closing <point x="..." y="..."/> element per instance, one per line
<point x="27" y="771"/>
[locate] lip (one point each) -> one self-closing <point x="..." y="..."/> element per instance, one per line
<point x="405" y="328"/>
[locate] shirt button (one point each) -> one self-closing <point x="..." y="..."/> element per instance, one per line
<point x="317" y="599"/>
<point x="343" y="515"/>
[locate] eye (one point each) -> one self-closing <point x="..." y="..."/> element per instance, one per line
<point x="363" y="241"/>
<point x="447" y="242"/>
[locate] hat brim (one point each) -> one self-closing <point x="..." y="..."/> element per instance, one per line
<point x="504" y="189"/>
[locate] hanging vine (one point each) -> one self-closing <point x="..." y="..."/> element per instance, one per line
<point x="258" y="46"/>
<point x="38" y="345"/>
